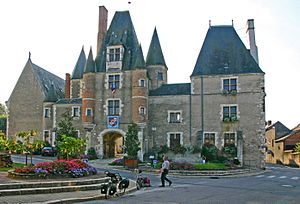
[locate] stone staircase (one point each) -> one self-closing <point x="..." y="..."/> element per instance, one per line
<point x="48" y="187"/>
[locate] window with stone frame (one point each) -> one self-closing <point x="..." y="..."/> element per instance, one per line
<point x="230" y="84"/>
<point x="160" y="76"/>
<point x="46" y="135"/>
<point x="174" y="117"/>
<point x="114" y="54"/>
<point x="175" y="140"/>
<point x="89" y="112"/>
<point x="77" y="133"/>
<point x="229" y="112"/>
<point x="114" y="107"/>
<point x="47" y="112"/>
<point x="114" y="57"/>
<point x="209" y="138"/>
<point x="229" y="138"/>
<point x="114" y="81"/>
<point x="142" y="83"/>
<point x="142" y="110"/>
<point x="75" y="111"/>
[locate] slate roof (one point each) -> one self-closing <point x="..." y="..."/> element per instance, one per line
<point x="69" y="101"/>
<point x="78" y="69"/>
<point x="47" y="80"/>
<point x="90" y="66"/>
<point x="280" y="130"/>
<point x="120" y="32"/>
<point x="139" y="61"/>
<point x="155" y="55"/>
<point x="172" y="89"/>
<point x="223" y="52"/>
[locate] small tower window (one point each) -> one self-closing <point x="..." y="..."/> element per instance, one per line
<point x="113" y="107"/>
<point x="142" y="83"/>
<point x="142" y="110"/>
<point x="46" y="112"/>
<point x="160" y="76"/>
<point x="89" y="112"/>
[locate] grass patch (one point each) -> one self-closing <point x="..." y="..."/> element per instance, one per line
<point x="210" y="166"/>
<point x="15" y="165"/>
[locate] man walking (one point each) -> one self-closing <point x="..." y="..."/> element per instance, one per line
<point x="164" y="171"/>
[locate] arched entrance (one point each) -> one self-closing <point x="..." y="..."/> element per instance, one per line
<point x="112" y="145"/>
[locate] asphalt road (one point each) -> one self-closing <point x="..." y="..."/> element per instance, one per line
<point x="278" y="185"/>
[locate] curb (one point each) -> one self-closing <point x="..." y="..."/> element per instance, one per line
<point x="90" y="198"/>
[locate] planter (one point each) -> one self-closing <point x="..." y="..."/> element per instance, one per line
<point x="131" y="163"/>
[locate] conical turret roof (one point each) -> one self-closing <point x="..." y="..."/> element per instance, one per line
<point x="90" y="66"/>
<point x="155" y="55"/>
<point x="139" y="61"/>
<point x="79" y="67"/>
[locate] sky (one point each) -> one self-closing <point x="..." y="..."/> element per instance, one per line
<point x="54" y="31"/>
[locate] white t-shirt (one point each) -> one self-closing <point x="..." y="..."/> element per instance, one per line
<point x="165" y="165"/>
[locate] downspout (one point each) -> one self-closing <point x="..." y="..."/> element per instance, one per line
<point x="190" y="115"/>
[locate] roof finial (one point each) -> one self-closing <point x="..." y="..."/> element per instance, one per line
<point x="232" y="22"/>
<point x="29" y="57"/>
<point x="209" y="23"/>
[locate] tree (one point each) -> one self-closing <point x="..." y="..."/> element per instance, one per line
<point x="65" y="126"/>
<point x="3" y="119"/>
<point x="71" y="147"/>
<point x="132" y="143"/>
<point x="28" y="137"/>
<point x="3" y="110"/>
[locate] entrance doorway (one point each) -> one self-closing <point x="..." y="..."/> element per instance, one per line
<point x="112" y="145"/>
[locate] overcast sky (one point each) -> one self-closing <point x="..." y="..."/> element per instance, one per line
<point x="54" y="31"/>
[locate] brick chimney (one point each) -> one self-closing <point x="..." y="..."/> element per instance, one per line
<point x="68" y="86"/>
<point x="251" y="35"/>
<point x="102" y="27"/>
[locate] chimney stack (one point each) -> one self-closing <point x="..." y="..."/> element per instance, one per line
<point x="251" y="34"/>
<point x="68" y="86"/>
<point x="102" y="27"/>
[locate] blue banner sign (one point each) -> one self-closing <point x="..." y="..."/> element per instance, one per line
<point x="113" y="121"/>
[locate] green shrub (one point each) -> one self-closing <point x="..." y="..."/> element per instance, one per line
<point x="210" y="152"/>
<point x="210" y="166"/>
<point x="92" y="154"/>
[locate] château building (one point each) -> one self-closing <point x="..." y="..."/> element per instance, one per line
<point x="222" y="104"/>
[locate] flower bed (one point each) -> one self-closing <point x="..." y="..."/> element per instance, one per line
<point x="58" y="168"/>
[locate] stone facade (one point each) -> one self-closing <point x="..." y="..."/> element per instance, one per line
<point x="119" y="88"/>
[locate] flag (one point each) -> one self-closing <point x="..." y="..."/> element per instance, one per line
<point x="113" y="88"/>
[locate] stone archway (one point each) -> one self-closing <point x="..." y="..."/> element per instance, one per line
<point x="113" y="144"/>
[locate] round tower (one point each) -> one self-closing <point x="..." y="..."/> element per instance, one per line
<point x="88" y="90"/>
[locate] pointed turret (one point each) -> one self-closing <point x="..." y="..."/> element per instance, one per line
<point x="78" y="69"/>
<point x="156" y="65"/>
<point x="155" y="55"/>
<point x="90" y="63"/>
<point x="139" y="61"/>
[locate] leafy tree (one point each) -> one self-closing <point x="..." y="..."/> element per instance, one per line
<point x="3" y="144"/>
<point x="65" y="126"/>
<point x="132" y="143"/>
<point x="28" y="137"/>
<point x="38" y="145"/>
<point x="3" y="110"/>
<point x="3" y="121"/>
<point x="297" y="147"/>
<point x="71" y="147"/>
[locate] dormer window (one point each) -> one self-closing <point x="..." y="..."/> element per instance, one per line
<point x="114" y="57"/>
